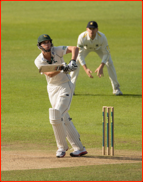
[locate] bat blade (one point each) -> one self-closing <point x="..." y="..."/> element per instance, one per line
<point x="50" y="68"/>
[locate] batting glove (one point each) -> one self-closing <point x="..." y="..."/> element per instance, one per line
<point x="66" y="68"/>
<point x="72" y="65"/>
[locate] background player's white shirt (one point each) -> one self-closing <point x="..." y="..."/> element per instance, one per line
<point x="85" y="43"/>
<point x="57" y="53"/>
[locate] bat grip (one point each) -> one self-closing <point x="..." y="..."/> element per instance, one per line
<point x="62" y="67"/>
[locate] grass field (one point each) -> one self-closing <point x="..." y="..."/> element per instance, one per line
<point x="24" y="101"/>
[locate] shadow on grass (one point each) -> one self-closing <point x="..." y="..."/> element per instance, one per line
<point x="115" y="158"/>
<point x="124" y="95"/>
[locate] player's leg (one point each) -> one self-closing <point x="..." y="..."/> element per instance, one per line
<point x="64" y="98"/>
<point x="71" y="130"/>
<point x="62" y="103"/>
<point x="56" y="116"/>
<point x="73" y="137"/>
<point x="59" y="131"/>
<point x="112" y="73"/>
<point x="113" y="77"/>
<point x="60" y="98"/>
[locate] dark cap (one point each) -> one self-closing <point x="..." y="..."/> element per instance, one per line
<point x="43" y="37"/>
<point x="92" y="24"/>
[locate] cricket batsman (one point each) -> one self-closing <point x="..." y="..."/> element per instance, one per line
<point x="60" y="91"/>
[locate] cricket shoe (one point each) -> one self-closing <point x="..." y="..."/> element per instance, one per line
<point x="60" y="153"/>
<point x="117" y="92"/>
<point x="78" y="153"/>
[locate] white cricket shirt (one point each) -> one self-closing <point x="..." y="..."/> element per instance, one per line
<point x="85" y="43"/>
<point x="57" y="54"/>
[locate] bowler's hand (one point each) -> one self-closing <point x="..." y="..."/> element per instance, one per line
<point x="99" y="70"/>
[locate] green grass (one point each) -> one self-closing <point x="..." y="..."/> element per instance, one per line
<point x="114" y="172"/>
<point x="24" y="99"/>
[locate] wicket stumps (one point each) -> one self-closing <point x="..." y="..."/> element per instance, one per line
<point x="112" y="130"/>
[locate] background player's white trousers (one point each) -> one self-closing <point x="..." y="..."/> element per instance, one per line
<point x="110" y="68"/>
<point x="60" y="98"/>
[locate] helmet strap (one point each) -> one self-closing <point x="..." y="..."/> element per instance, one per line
<point x="40" y="47"/>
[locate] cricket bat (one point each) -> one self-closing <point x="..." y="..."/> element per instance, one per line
<point x="51" y="68"/>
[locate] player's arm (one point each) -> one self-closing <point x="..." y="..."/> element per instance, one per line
<point x="87" y="70"/>
<point x="80" y="44"/>
<point x="52" y="74"/>
<point x="106" y="54"/>
<point x="81" y="57"/>
<point x="99" y="70"/>
<point x="106" y="50"/>
<point x="72" y="66"/>
<point x="74" y="50"/>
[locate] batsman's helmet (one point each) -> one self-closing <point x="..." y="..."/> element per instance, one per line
<point x="42" y="38"/>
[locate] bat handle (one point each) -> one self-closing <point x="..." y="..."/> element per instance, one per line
<point x="60" y="68"/>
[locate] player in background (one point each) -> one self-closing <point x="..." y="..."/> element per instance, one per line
<point x="60" y="91"/>
<point x="94" y="41"/>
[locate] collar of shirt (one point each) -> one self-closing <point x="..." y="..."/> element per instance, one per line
<point x="52" y="52"/>
<point x="43" y="60"/>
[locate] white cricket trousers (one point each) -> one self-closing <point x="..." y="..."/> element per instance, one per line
<point x="109" y="65"/>
<point x="60" y="97"/>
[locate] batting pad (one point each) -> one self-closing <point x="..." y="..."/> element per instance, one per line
<point x="72" y="134"/>
<point x="58" y="128"/>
